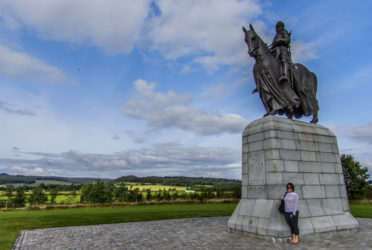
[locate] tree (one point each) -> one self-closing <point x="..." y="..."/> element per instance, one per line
<point x="9" y="191"/>
<point x="37" y="196"/>
<point x="20" y="199"/>
<point x="121" y="193"/>
<point x="53" y="195"/>
<point x="148" y="195"/>
<point x="356" y="177"/>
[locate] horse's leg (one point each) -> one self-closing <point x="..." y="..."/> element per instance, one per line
<point x="315" y="118"/>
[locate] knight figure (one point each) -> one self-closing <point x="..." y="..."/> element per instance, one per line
<point x="281" y="50"/>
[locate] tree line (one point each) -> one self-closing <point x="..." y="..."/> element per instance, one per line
<point x="101" y="192"/>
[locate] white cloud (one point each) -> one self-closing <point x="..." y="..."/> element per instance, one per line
<point x="114" y="25"/>
<point x="171" y="110"/>
<point x="302" y="52"/>
<point x="361" y="133"/>
<point x="209" y="29"/>
<point x="28" y="171"/>
<point x="21" y="64"/>
<point x="163" y="159"/>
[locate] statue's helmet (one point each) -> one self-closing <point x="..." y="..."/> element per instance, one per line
<point x="279" y="25"/>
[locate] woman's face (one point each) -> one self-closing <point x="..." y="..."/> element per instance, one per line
<point x="289" y="188"/>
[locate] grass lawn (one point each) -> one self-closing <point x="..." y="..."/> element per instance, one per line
<point x="11" y="223"/>
<point x="361" y="210"/>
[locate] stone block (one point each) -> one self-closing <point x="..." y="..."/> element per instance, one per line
<point x="321" y="131"/>
<point x="255" y="137"/>
<point x="306" y="137"/>
<point x="270" y="134"/>
<point x="307" y="145"/>
<point x="255" y="146"/>
<point x="332" y="206"/>
<point x="239" y="222"/>
<point x="246" y="206"/>
<point x="327" y="157"/>
<point x="272" y="143"/>
<point x="273" y="178"/>
<point x="275" y="192"/>
<point x="295" y="178"/>
<point x="304" y="211"/>
<point x="291" y="155"/>
<point x="245" y="148"/>
<point x="312" y="192"/>
<point x="329" y="179"/>
<point x="277" y="226"/>
<point x="344" y="221"/>
<point x="323" y="224"/>
<point x="305" y="226"/>
<point x="338" y="168"/>
<point x="291" y="166"/>
<point x="305" y="130"/>
<point x="244" y="179"/>
<point x="288" y="144"/>
<point x="274" y="166"/>
<point x="245" y="168"/>
<point x="345" y="204"/>
<point x="323" y="138"/>
<point x="287" y="135"/>
<point x="341" y="178"/>
<point x="342" y="190"/>
<point x="328" y="167"/>
<point x="315" y="207"/>
<point x="311" y="179"/>
<point x="308" y="156"/>
<point x="250" y="224"/>
<point x="262" y="225"/>
<point x="244" y="158"/>
<point x="245" y="140"/>
<point x="325" y="147"/>
<point x="332" y="191"/>
<point x="272" y="154"/>
<point x="335" y="149"/>
<point x="232" y="221"/>
<point x="262" y="208"/>
<point x="309" y="166"/>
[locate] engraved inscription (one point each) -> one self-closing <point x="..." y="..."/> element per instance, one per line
<point x="256" y="191"/>
<point x="256" y="168"/>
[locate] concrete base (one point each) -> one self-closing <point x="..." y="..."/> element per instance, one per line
<point x="277" y="151"/>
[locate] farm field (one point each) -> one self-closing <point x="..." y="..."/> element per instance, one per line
<point x="13" y="222"/>
<point x="154" y="188"/>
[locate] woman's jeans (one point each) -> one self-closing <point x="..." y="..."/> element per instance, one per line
<point x="292" y="222"/>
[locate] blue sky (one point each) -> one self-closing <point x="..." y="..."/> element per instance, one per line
<point x="111" y="88"/>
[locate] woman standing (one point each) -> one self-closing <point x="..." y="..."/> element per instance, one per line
<point x="291" y="212"/>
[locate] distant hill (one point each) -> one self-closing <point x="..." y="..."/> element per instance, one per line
<point x="178" y="180"/>
<point x="6" y="179"/>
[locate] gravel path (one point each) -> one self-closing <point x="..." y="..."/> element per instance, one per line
<point x="195" y="233"/>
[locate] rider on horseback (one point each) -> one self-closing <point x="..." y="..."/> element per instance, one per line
<point x="280" y="47"/>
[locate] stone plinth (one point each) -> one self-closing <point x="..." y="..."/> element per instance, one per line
<point x="277" y="151"/>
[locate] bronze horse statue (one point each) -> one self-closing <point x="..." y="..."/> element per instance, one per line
<point x="296" y="97"/>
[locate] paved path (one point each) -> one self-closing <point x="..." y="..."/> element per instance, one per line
<point x="196" y="233"/>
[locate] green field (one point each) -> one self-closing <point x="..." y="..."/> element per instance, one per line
<point x="13" y="222"/>
<point x="361" y="210"/>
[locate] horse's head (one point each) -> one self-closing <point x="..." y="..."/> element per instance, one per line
<point x="252" y="40"/>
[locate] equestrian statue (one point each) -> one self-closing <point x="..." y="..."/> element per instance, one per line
<point x="284" y="87"/>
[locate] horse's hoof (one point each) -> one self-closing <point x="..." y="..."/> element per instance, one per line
<point x="314" y="120"/>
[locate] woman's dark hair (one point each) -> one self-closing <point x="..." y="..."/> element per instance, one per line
<point x="291" y="185"/>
